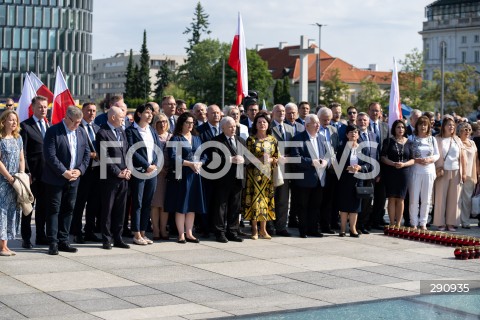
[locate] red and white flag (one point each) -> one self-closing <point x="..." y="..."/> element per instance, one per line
<point x="394" y="106"/>
<point x="238" y="61"/>
<point x="25" y="101"/>
<point x="40" y="88"/>
<point x="62" y="98"/>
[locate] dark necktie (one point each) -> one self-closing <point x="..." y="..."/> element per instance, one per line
<point x="172" y="124"/>
<point x="42" y="128"/>
<point x="280" y="128"/>
<point x="119" y="134"/>
<point x="375" y="129"/>
<point x="232" y="144"/>
<point x="215" y="131"/>
<point x="90" y="133"/>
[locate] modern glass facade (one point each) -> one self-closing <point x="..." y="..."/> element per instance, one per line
<point x="38" y="36"/>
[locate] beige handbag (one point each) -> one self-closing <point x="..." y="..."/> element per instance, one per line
<point x="277" y="176"/>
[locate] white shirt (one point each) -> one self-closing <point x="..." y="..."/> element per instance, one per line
<point x="217" y="127"/>
<point x="38" y="124"/>
<point x="451" y="154"/>
<point x="147" y="138"/>
<point x="72" y="145"/>
<point x="114" y="130"/>
<point x="313" y="140"/>
<point x="424" y="148"/>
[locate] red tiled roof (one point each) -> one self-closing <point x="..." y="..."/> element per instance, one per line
<point x="279" y="60"/>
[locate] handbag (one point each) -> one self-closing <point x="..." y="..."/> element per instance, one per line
<point x="364" y="191"/>
<point x="277" y="176"/>
<point x="439" y="170"/>
<point x="476" y="202"/>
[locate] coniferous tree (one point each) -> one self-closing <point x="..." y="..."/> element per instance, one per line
<point x="198" y="26"/>
<point x="130" y="91"/>
<point x="164" y="77"/>
<point x="144" y="72"/>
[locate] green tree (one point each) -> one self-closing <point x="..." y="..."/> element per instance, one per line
<point x="281" y="91"/>
<point x="412" y="89"/>
<point x="370" y="92"/>
<point x="259" y="78"/>
<point x="459" y="96"/>
<point x="198" y="26"/>
<point x="277" y="91"/>
<point x="130" y="83"/>
<point x="164" y="77"/>
<point x="144" y="72"/>
<point x="334" y="89"/>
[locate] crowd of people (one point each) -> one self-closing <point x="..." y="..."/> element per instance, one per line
<point x="184" y="173"/>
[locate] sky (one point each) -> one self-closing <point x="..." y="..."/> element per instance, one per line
<point x="361" y="32"/>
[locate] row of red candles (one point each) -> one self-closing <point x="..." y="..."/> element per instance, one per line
<point x="464" y="253"/>
<point x="437" y="237"/>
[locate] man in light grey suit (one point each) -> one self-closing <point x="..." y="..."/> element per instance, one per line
<point x="169" y="108"/>
<point x="291" y="115"/>
<point x="282" y="132"/>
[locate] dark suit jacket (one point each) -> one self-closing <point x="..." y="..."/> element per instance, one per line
<point x="298" y="127"/>
<point x="113" y="169"/>
<point x="384" y="132"/>
<point x="231" y="175"/>
<point x="57" y="154"/>
<point x="205" y="132"/>
<point x="301" y="121"/>
<point x="91" y="145"/>
<point x="369" y="152"/>
<point x="32" y="148"/>
<point x="310" y="175"/>
<point x="102" y="119"/>
<point x="140" y="158"/>
<point x="289" y="134"/>
<point x="245" y="123"/>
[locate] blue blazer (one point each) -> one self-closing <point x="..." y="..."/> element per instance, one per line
<point x="310" y="175"/>
<point x="205" y="132"/>
<point x="57" y="154"/>
<point x="140" y="158"/>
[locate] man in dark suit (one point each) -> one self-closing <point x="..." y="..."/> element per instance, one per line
<point x="114" y="101"/>
<point x="328" y="217"/>
<point x="169" y="108"/>
<point x="382" y="132"/>
<point x="113" y="178"/>
<point x="67" y="156"/>
<point x="227" y="188"/>
<point x="282" y="133"/>
<point x="291" y="115"/>
<point x="200" y="114"/>
<point x="367" y="136"/>
<point x="32" y="131"/>
<point x="251" y="105"/>
<point x="88" y="188"/>
<point x="308" y="190"/>
<point x="303" y="110"/>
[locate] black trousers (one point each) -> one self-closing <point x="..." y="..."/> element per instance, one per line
<point x="61" y="200"/>
<point x="114" y="196"/>
<point x="281" y="205"/>
<point x="87" y="194"/>
<point x="328" y="212"/>
<point x="309" y="200"/>
<point x="226" y="205"/>
<point x="379" y="200"/>
<point x="38" y="189"/>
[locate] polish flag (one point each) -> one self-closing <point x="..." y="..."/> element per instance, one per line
<point x="238" y="61"/>
<point x="62" y="98"/>
<point x="40" y="89"/>
<point x="394" y="106"/>
<point x="25" y="101"/>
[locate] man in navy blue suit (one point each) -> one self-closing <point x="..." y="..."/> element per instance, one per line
<point x="67" y="155"/>
<point x="312" y="164"/>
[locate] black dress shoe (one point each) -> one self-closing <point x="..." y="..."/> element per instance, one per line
<point x="53" y="249"/>
<point x="41" y="242"/>
<point x="26" y="244"/>
<point x="192" y="240"/>
<point x="121" y="244"/>
<point x="303" y="235"/>
<point x="241" y="233"/>
<point x="79" y="239"/>
<point x="354" y="235"/>
<point x="107" y="246"/>
<point x="328" y="231"/>
<point x="221" y="238"/>
<point x="92" y="237"/>
<point x="315" y="234"/>
<point x="283" y="233"/>
<point x="234" y="238"/>
<point x="183" y="241"/>
<point x="363" y="231"/>
<point x="66" y="247"/>
<point x="341" y="234"/>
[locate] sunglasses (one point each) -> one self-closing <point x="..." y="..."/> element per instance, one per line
<point x="9" y="105"/>
<point x="351" y="112"/>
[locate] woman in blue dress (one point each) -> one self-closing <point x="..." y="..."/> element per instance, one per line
<point x="11" y="162"/>
<point x="185" y="195"/>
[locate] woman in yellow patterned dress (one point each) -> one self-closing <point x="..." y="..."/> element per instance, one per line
<point x="258" y="200"/>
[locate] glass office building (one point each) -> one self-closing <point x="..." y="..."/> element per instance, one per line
<point x="38" y="36"/>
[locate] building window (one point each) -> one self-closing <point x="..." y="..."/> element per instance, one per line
<point x="20" y="16"/>
<point x="464" y="56"/>
<point x="464" y="39"/>
<point x="26" y="39"/>
<point x="477" y="38"/>
<point x="3" y="15"/>
<point x="477" y="56"/>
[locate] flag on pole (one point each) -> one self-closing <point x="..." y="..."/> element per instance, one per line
<point x="62" y="98"/>
<point x="238" y="61"/>
<point x="394" y="106"/>
<point x="40" y="88"/>
<point x="25" y="101"/>
<point x="264" y="106"/>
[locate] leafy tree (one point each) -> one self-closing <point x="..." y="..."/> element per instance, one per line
<point x="198" y="26"/>
<point x="458" y="94"/>
<point x="412" y="90"/>
<point x="259" y="78"/>
<point x="164" y="77"/>
<point x="130" y="83"/>
<point x="281" y="91"/>
<point x="334" y="89"/>
<point x="144" y="72"/>
<point x="370" y="92"/>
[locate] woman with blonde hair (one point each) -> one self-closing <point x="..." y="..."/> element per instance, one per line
<point x="451" y="174"/>
<point x="11" y="162"/>
<point x="472" y="163"/>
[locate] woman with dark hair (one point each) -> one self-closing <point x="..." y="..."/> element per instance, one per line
<point x="145" y="161"/>
<point x="258" y="200"/>
<point x="451" y="174"/>
<point x="397" y="156"/>
<point x="425" y="153"/>
<point x="185" y="195"/>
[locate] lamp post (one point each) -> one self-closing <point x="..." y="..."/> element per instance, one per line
<point x="442" y="70"/>
<point x="318" y="82"/>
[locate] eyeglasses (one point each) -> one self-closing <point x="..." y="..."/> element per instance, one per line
<point x="351" y="112"/>
<point x="467" y="130"/>
<point x="162" y="121"/>
<point x="9" y="105"/>
<point x="188" y="123"/>
<point x="170" y="104"/>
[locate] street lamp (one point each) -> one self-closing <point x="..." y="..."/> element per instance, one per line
<point x="317" y="89"/>
<point x="442" y="70"/>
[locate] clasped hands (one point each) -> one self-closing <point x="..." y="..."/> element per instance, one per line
<point x="319" y="163"/>
<point x="125" y="174"/>
<point x="72" y="175"/>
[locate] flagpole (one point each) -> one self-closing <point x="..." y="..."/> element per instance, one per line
<point x="223" y="79"/>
